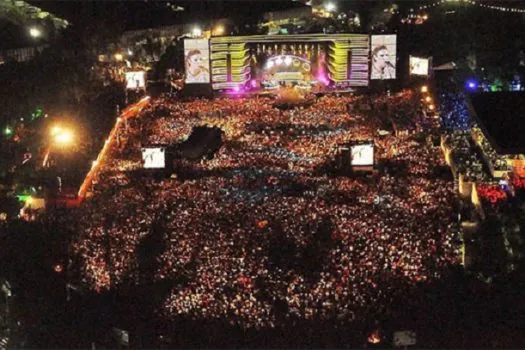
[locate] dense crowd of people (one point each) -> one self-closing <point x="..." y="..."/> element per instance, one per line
<point x="454" y="110"/>
<point x="261" y="234"/>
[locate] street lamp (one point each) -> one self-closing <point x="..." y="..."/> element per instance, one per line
<point x="219" y="30"/>
<point x="196" y="32"/>
<point x="119" y="57"/>
<point x="61" y="136"/>
<point x="330" y="7"/>
<point x="64" y="138"/>
<point x="35" y="32"/>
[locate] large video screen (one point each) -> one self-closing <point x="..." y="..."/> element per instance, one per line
<point x="362" y="155"/>
<point x="135" y="80"/>
<point x="303" y="64"/>
<point x="197" y="61"/>
<point x="418" y="66"/>
<point x="154" y="157"/>
<point x="383" y="56"/>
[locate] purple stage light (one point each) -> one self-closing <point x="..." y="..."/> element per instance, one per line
<point x="472" y="84"/>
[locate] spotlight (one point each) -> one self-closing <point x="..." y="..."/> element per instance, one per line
<point x="472" y="84"/>
<point x="330" y="7"/>
<point x="35" y="32"/>
<point x="196" y="32"/>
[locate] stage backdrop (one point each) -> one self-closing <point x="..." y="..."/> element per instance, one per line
<point x="247" y="62"/>
<point x="197" y="61"/>
<point x="383" y="57"/>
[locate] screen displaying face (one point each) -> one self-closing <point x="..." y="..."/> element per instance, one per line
<point x="383" y="56"/>
<point x="418" y="66"/>
<point x="197" y="61"/>
<point x="363" y="154"/>
<point x="154" y="158"/>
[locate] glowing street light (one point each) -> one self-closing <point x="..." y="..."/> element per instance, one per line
<point x="35" y="32"/>
<point x="196" y="32"/>
<point x="424" y="88"/>
<point x="428" y="99"/>
<point x="55" y="130"/>
<point x="64" y="138"/>
<point x="119" y="57"/>
<point x="8" y="131"/>
<point x="330" y="7"/>
<point x="61" y="136"/>
<point x="219" y="30"/>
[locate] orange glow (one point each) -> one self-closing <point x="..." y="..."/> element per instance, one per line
<point x="373" y="338"/>
<point x="424" y="88"/>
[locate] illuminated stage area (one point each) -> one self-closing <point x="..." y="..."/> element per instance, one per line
<point x="315" y="62"/>
<point x="264" y="232"/>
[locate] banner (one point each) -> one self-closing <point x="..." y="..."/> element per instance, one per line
<point x="197" y="61"/>
<point x="383" y="56"/>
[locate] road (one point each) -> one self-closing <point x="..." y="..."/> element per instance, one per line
<point x="129" y="113"/>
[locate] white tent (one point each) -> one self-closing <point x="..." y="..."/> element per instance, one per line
<point x="404" y="338"/>
<point x="446" y="66"/>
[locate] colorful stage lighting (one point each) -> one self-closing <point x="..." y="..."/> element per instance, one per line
<point x="472" y="84"/>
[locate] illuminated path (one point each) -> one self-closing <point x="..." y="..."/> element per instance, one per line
<point x="130" y="112"/>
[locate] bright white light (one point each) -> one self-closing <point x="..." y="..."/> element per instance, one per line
<point x="330" y="7"/>
<point x="279" y="60"/>
<point x="130" y="52"/>
<point x="288" y="60"/>
<point x="269" y="64"/>
<point x="35" y="32"/>
<point x="196" y="31"/>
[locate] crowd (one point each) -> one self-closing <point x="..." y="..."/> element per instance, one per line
<point x="464" y="157"/>
<point x="259" y="235"/>
<point x="493" y="159"/>
<point x="454" y="111"/>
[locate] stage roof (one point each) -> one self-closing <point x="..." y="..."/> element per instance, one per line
<point x="501" y="116"/>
